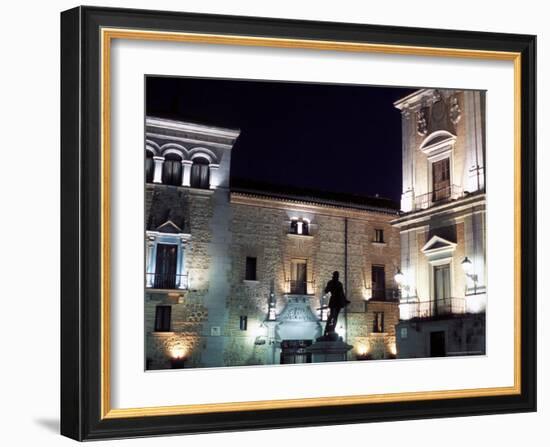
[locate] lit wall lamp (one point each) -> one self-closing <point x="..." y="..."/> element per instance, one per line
<point x="468" y="267"/>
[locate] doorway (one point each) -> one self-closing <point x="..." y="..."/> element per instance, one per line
<point x="437" y="344"/>
<point x="441" y="180"/>
<point x="298" y="277"/>
<point x="442" y="289"/>
<point x="165" y="268"/>
<point x="294" y="351"/>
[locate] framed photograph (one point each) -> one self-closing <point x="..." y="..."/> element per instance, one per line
<point x="271" y="223"/>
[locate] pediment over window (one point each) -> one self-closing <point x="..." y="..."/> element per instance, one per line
<point x="438" y="245"/>
<point x="436" y="142"/>
<point x="169" y="227"/>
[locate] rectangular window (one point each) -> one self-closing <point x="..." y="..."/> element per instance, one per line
<point x="441" y="180"/>
<point x="243" y="324"/>
<point x="250" y="274"/>
<point x="163" y="317"/>
<point x="378" y="323"/>
<point x="378" y="278"/>
<point x="379" y="235"/>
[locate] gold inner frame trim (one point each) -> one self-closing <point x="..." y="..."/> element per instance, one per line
<point x="107" y="35"/>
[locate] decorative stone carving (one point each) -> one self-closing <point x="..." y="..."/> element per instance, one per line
<point x="436" y="96"/>
<point x="297" y="309"/>
<point x="438" y="118"/>
<point x="297" y="321"/>
<point x="421" y="122"/>
<point x="454" y="111"/>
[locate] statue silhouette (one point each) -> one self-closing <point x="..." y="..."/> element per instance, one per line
<point x="336" y="303"/>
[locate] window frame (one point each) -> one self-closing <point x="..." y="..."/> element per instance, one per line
<point x="379" y="232"/>
<point x="248" y="261"/>
<point x="378" y="325"/>
<point x="160" y="308"/>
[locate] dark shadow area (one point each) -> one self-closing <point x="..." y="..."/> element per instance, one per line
<point x="341" y="138"/>
<point x="49" y="424"/>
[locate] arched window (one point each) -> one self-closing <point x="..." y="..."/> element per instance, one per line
<point x="299" y="226"/>
<point x="171" y="170"/>
<point x="149" y="167"/>
<point x="200" y="173"/>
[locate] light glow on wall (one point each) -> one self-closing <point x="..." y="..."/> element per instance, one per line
<point x="405" y="311"/>
<point x="362" y="349"/>
<point x="178" y="351"/>
<point x="399" y="277"/>
<point x="367" y="294"/>
<point x="476" y="304"/>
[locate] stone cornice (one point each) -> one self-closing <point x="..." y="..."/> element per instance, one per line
<point x="456" y="208"/>
<point x="192" y="127"/>
<point x="415" y="99"/>
<point x="337" y="210"/>
<point x="412" y="99"/>
<point x="193" y="142"/>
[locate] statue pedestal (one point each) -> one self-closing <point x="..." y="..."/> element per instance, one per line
<point x="329" y="348"/>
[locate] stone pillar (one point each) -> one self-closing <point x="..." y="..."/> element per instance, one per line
<point x="474" y="166"/>
<point x="157" y="176"/>
<point x="407" y="197"/>
<point x="150" y="261"/>
<point x="214" y="181"/>
<point x="186" y="168"/>
<point x="181" y="279"/>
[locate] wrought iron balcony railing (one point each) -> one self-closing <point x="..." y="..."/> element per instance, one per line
<point x="168" y="281"/>
<point x="436" y="308"/>
<point x="437" y="196"/>
<point x="300" y="287"/>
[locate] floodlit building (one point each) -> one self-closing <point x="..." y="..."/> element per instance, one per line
<point x="235" y="274"/>
<point x="442" y="275"/>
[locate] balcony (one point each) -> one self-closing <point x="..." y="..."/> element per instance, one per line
<point x="300" y="287"/>
<point x="438" y="196"/>
<point x="167" y="281"/>
<point x="436" y="308"/>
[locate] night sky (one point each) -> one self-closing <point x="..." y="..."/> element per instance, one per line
<point x="336" y="138"/>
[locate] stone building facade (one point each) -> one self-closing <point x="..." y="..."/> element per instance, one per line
<point x="442" y="229"/>
<point x="236" y="275"/>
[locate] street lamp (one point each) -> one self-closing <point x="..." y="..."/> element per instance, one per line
<point x="399" y="277"/>
<point x="467" y="266"/>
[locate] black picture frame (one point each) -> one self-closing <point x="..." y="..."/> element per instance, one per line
<point x="81" y="215"/>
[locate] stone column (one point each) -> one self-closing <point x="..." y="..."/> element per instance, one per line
<point x="157" y="176"/>
<point x="186" y="168"/>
